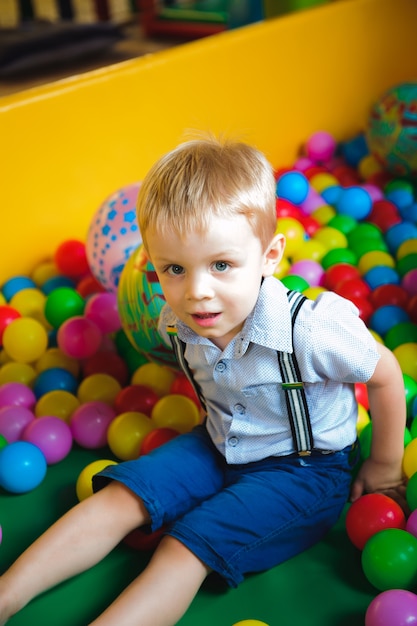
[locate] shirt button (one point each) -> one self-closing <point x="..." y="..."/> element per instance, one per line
<point x="233" y="441"/>
<point x="239" y="408"/>
<point x="221" y="366"/>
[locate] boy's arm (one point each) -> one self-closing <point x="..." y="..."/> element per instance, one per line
<point x="382" y="470"/>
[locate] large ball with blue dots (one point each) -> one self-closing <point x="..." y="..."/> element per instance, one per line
<point x="392" y="130"/>
<point x="113" y="235"/>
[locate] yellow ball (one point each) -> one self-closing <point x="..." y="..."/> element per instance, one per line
<point x="407" y="247"/>
<point x="59" y="403"/>
<point x="331" y="237"/>
<point x="373" y="258"/>
<point x="323" y="214"/>
<point x="25" y="340"/>
<point x="323" y="180"/>
<point x="368" y="166"/>
<point x="312" y="249"/>
<point x="126" y="433"/>
<point x="44" y="271"/>
<point x="98" y="387"/>
<point x="250" y="622"/>
<point x="363" y="418"/>
<point x="14" y="372"/>
<point x="84" y="484"/>
<point x="30" y="303"/>
<point x="177" y="412"/>
<point x="282" y="268"/>
<point x="410" y="458"/>
<point x="54" y="357"/>
<point x="406" y="355"/>
<point x="293" y="232"/>
<point x="157" y="377"/>
<point x="313" y="292"/>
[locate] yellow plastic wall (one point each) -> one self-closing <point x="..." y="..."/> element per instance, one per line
<point x="65" y="147"/>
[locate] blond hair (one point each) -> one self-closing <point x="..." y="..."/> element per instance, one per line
<point x="206" y="177"/>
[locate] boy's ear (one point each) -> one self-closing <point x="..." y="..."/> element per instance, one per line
<point x="273" y="254"/>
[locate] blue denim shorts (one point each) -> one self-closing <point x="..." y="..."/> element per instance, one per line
<point x="237" y="518"/>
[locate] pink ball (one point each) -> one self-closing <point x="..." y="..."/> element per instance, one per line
<point x="411" y="525"/>
<point x="303" y="163"/>
<point x="13" y="421"/>
<point x="79" y="337"/>
<point x="409" y="282"/>
<point x="102" y="309"/>
<point x="51" y="435"/>
<point x="320" y="147"/>
<point x="310" y="270"/>
<point x="89" y="424"/>
<point x="395" y="607"/>
<point x="17" y="394"/>
<point x="313" y="201"/>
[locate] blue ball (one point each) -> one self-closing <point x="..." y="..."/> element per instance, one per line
<point x="400" y="197"/>
<point x="386" y="317"/>
<point x="355" y="150"/>
<point x="397" y="234"/>
<point x="55" y="378"/>
<point x="16" y="284"/>
<point x="293" y="186"/>
<point x="381" y="275"/>
<point x="355" y="202"/>
<point x="22" y="467"/>
<point x="331" y="194"/>
<point x="55" y="282"/>
<point x="409" y="213"/>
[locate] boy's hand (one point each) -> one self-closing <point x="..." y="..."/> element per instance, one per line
<point x="376" y="477"/>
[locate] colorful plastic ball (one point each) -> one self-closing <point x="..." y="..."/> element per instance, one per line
<point x="404" y="332"/>
<point x="22" y="467"/>
<point x="406" y="355"/>
<point x="54" y="357"/>
<point x="399" y="233"/>
<point x="177" y="412"/>
<point x="51" y="435"/>
<point x="60" y="403"/>
<point x="156" y="377"/>
<point x="373" y="258"/>
<point x="182" y="386"/>
<point x="411" y="525"/>
<point x="126" y="433"/>
<point x="140" y="301"/>
<point x="102" y="309"/>
<point x="344" y="223"/>
<point x="62" y="304"/>
<point x="310" y="249"/>
<point x="293" y="186"/>
<point x="331" y="238"/>
<point x="14" y="372"/>
<point x="30" y="303"/>
<point x="394" y="607"/>
<point x="13" y="421"/>
<point x="15" y="284"/>
<point x="363" y="419"/>
<point x="90" y="422"/>
<point x="361" y="395"/>
<point x="390" y="130"/>
<point x="297" y="283"/>
<point x="107" y="362"/>
<point x="44" y="271"/>
<point x="320" y="147"/>
<point x="113" y="235"/>
<point x="57" y="282"/>
<point x="410" y="459"/>
<point x="156" y="438"/>
<point x="407" y="247"/>
<point x="25" y="340"/>
<point x="381" y="275"/>
<point x="389" y="559"/>
<point x="353" y="288"/>
<point x="293" y="232"/>
<point x="131" y="356"/>
<point x="79" y="337"/>
<point x="250" y="622"/>
<point x="71" y="259"/>
<point x="409" y="282"/>
<point x="355" y="202"/>
<point x="283" y="208"/>
<point x="407" y="263"/>
<point x="84" y="484"/>
<point x="339" y="256"/>
<point x="7" y="315"/>
<point x="136" y="398"/>
<point x="88" y="286"/>
<point x="389" y="294"/>
<point x="354" y="149"/>
<point x="144" y="540"/>
<point x="323" y="214"/>
<point x="338" y="273"/>
<point x="387" y="317"/>
<point x="17" y="394"/>
<point x="410" y="390"/>
<point x="384" y="214"/>
<point x="364" y="231"/>
<point x="53" y="379"/>
<point x="369" y="515"/>
<point x="100" y="387"/>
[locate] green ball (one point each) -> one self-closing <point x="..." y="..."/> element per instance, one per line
<point x="3" y="442"/>
<point x="61" y="304"/>
<point x="364" y="230"/>
<point x="407" y="263"/>
<point x="297" y="283"/>
<point x="389" y="560"/>
<point x="345" y="223"/>
<point x="411" y="492"/>
<point x="410" y="389"/>
<point x="368" y="245"/>
<point x="404" y="332"/>
<point x="365" y="439"/>
<point x="339" y="255"/>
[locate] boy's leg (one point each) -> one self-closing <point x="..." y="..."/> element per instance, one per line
<point x="162" y="592"/>
<point x="76" y="542"/>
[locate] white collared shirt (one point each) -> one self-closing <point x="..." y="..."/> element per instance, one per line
<point x="246" y="411"/>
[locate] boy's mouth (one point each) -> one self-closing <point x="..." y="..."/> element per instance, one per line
<point x="205" y="319"/>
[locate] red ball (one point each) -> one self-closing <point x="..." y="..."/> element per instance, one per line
<point x="71" y="259"/>
<point x="156" y="438"/>
<point x="183" y="387"/>
<point x="310" y="225"/>
<point x="285" y="208"/>
<point x="361" y="395"/>
<point x="389" y="294"/>
<point x="136" y="398"/>
<point x="338" y="273"/>
<point x="365" y="308"/>
<point x="384" y="214"/>
<point x="370" y="514"/>
<point x="7" y="315"/>
<point x="353" y="288"/>
<point x="411" y="308"/>
<point x="139" y="539"/>
<point x="88" y="286"/>
<point x="106" y="362"/>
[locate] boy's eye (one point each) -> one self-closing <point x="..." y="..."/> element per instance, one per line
<point x="221" y="266"/>
<point x="175" y="270"/>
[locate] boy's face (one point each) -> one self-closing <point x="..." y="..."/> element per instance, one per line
<point x="211" y="280"/>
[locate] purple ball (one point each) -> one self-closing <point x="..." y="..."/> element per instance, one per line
<point x="310" y="270"/>
<point x="79" y="337"/>
<point x="102" y="309"/>
<point x="89" y="424"/>
<point x="51" y="435"/>
<point x="395" y="607"/>
<point x="13" y="421"/>
<point x="17" y="394"/>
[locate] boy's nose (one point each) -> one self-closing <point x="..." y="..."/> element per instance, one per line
<point x="199" y="287"/>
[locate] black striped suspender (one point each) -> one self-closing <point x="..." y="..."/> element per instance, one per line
<point x="292" y="385"/>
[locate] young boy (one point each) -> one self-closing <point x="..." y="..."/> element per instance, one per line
<point x="240" y="493"/>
